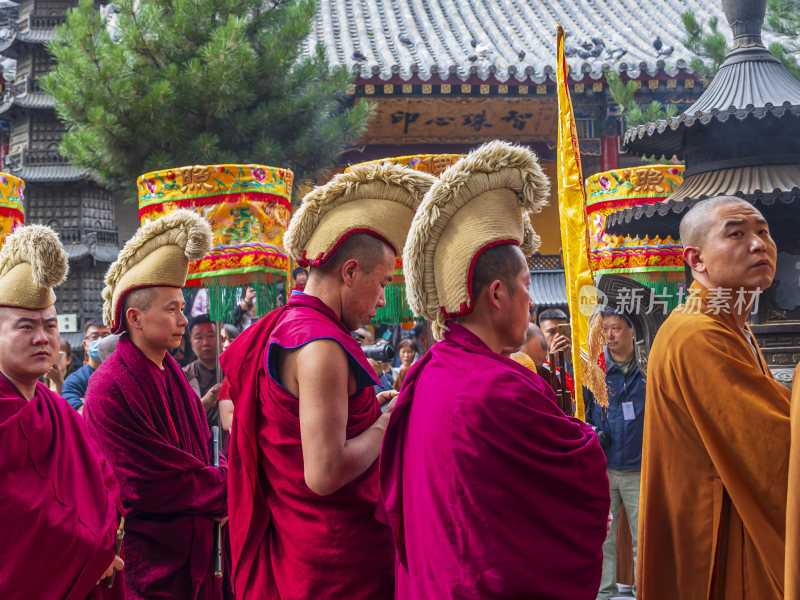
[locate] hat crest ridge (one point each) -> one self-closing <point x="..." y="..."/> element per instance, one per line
<point x="493" y="166"/>
<point x="341" y="189"/>
<point x="38" y="245"/>
<point x="182" y="228"/>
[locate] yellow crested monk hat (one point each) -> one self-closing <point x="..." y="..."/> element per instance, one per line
<point x="377" y="199"/>
<point x="157" y="255"/>
<point x="32" y="263"/>
<point x="482" y="201"/>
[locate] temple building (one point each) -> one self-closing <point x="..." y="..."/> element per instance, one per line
<point x="448" y="75"/>
<point x="444" y="76"/>
<point x="741" y="138"/>
<point x="56" y="193"/>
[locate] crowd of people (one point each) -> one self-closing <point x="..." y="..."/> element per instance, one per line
<point x="446" y="471"/>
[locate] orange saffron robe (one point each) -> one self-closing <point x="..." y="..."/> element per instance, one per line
<point x="712" y="512"/>
<point x="793" y="511"/>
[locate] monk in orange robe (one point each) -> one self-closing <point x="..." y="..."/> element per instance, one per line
<point x="712" y="518"/>
<point x="793" y="511"/>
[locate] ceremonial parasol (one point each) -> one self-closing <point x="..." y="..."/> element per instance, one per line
<point x="248" y="208"/>
<point x="654" y="262"/>
<point x="12" y="211"/>
<point x="396" y="309"/>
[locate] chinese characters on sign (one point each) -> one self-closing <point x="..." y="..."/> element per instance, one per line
<point x="462" y="120"/>
<point x="517" y="120"/>
<point x="406" y="118"/>
<point x="476" y="121"/>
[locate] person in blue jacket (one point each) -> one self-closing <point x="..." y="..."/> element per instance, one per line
<point x="619" y="429"/>
<point x="75" y="384"/>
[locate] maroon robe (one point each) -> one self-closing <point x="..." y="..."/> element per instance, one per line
<point x="287" y="541"/>
<point x="59" y="501"/>
<point x="151" y="426"/>
<point x="491" y="491"/>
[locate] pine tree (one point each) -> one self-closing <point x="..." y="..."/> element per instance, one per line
<point x="711" y="48"/>
<point x="153" y="84"/>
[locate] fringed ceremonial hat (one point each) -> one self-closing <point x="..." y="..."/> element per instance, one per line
<point x="375" y="199"/>
<point x="482" y="201"/>
<point x="32" y="263"/>
<point x="157" y="255"/>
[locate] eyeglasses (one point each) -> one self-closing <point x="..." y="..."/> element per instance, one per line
<point x="97" y="335"/>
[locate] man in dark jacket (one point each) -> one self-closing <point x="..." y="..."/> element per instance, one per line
<point x="620" y="428"/>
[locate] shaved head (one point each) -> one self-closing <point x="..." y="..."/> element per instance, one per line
<point x="535" y="345"/>
<point x="368" y="250"/>
<point x="140" y="299"/>
<point x="727" y="244"/>
<point x="696" y="223"/>
<point x="535" y="332"/>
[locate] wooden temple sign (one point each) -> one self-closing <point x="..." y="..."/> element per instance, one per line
<point x="466" y="120"/>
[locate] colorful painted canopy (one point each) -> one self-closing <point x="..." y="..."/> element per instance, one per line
<point x="655" y="262"/>
<point x="12" y="210"/>
<point x="396" y="309"/>
<point x="248" y="208"/>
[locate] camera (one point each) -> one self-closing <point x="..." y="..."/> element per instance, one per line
<point x="602" y="437"/>
<point x="379" y="352"/>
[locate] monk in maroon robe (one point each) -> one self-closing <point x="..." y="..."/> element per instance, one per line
<point x="490" y="489"/>
<point x="492" y="492"/>
<point x="296" y="533"/>
<point x="59" y="501"/>
<point x="307" y="425"/>
<point x="150" y="424"/>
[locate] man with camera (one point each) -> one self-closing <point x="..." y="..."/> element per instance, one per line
<point x="379" y="356"/>
<point x="619" y="429"/>
<point x="307" y="424"/>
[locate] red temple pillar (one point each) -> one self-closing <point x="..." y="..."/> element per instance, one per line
<point x="609" y="154"/>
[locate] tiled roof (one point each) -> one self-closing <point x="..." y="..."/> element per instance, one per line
<point x="34" y="100"/>
<point x="36" y="36"/>
<point x="510" y="40"/>
<point x="548" y="288"/>
<point x="105" y="253"/>
<point x="49" y="173"/>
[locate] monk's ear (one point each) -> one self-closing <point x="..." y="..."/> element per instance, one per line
<point x="693" y="257"/>
<point x="133" y="316"/>
<point x="349" y="269"/>
<point x="494" y="291"/>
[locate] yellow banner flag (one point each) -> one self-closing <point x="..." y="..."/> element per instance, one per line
<point x="581" y="294"/>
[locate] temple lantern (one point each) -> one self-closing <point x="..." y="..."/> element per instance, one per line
<point x="12" y="210"/>
<point x="248" y="208"/>
<point x="396" y="309"/>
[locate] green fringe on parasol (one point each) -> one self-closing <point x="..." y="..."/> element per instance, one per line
<point x="396" y="309"/>
<point x="224" y="294"/>
<point x="667" y="285"/>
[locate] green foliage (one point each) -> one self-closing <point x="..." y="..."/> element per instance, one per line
<point x="780" y="52"/>
<point x="632" y="113"/>
<point x="783" y="17"/>
<point x="709" y="47"/>
<point x="199" y="82"/>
